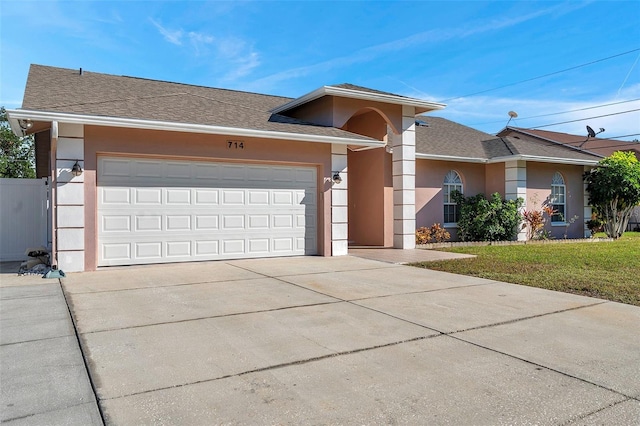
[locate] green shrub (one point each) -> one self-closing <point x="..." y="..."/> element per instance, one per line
<point x="483" y="219"/>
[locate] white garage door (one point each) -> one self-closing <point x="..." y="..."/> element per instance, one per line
<point x="155" y="211"/>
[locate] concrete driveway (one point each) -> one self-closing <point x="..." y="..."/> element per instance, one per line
<point x="347" y="340"/>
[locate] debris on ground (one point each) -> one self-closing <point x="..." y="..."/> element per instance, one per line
<point x="39" y="262"/>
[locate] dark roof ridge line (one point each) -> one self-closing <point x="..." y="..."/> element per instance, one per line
<point x="505" y="141"/>
<point x="575" y="148"/>
<point x="524" y="129"/>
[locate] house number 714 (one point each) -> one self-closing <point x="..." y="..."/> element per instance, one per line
<point x="235" y="145"/>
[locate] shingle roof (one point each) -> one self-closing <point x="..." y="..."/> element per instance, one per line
<point x="365" y="89"/>
<point x="64" y="90"/>
<point x="601" y="146"/>
<point x="443" y="137"/>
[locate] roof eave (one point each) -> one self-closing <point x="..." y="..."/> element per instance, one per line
<point x="15" y="115"/>
<point x="532" y="158"/>
<point x="420" y="105"/>
<point x="544" y="159"/>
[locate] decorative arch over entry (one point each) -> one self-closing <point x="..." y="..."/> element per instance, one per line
<point x="369" y="121"/>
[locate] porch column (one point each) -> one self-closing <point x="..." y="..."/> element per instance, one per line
<point x="339" y="206"/>
<point x="70" y="198"/>
<point x="515" y="186"/>
<point x="404" y="182"/>
<point x="587" y="208"/>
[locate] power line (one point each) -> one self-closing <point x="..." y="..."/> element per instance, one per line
<point x="624" y="136"/>
<point x="561" y="112"/>
<point x="542" y="76"/>
<point x="588" y="118"/>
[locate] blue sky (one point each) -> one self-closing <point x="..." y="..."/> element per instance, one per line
<point x="434" y="50"/>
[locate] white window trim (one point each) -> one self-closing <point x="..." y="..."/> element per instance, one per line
<point x="556" y="183"/>
<point x="447" y="184"/>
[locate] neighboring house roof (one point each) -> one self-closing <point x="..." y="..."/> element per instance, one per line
<point x="439" y="138"/>
<point x="599" y="146"/>
<point x="59" y="90"/>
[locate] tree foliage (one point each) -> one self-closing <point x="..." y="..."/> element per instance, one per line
<point x="614" y="190"/>
<point x="483" y="219"/>
<point x="17" y="154"/>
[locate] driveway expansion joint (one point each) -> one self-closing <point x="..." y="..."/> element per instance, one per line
<point x="571" y="376"/>
<point x="284" y="308"/>
<point x="82" y="354"/>
<point x="591" y="413"/>
<point x="575" y="308"/>
<point x="279" y="366"/>
<point x="116" y="290"/>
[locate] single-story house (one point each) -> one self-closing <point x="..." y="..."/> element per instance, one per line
<point x="601" y="147"/>
<point x="146" y="171"/>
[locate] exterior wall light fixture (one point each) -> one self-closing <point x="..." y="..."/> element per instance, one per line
<point x="336" y="178"/>
<point x="25" y="124"/>
<point x="76" y="170"/>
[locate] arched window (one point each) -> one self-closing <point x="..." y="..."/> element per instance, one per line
<point x="558" y="198"/>
<point x="452" y="182"/>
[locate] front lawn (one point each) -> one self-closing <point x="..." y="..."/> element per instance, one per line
<point x="608" y="270"/>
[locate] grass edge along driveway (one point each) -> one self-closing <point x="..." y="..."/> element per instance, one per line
<point x="607" y="270"/>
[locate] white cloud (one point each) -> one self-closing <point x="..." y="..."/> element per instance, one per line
<point x="172" y="36"/>
<point x="245" y="65"/>
<point x="233" y="55"/>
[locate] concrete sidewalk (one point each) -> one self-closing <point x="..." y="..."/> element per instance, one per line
<point x="401" y="257"/>
<point x="346" y="340"/>
<point x="43" y="378"/>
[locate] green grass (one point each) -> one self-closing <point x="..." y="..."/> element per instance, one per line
<point x="607" y="270"/>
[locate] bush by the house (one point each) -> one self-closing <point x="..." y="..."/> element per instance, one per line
<point x="483" y="219"/>
<point x="614" y="190"/>
<point x="534" y="221"/>
<point x="435" y="233"/>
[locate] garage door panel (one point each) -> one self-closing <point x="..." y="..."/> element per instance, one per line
<point x="148" y="250"/>
<point x="180" y="196"/>
<point x="206" y="197"/>
<point x="178" y="223"/>
<point x="148" y="223"/>
<point x="233" y="173"/>
<point x="233" y="197"/>
<point x="152" y="196"/>
<point x="178" y="248"/>
<point x="206" y="248"/>
<point x="115" y="223"/>
<point x="206" y="223"/>
<point x="198" y="211"/>
<point x="178" y="170"/>
<point x="114" y="195"/>
<point x="147" y="169"/>
<point x="115" y="168"/>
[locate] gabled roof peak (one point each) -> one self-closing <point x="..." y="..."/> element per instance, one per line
<point x="352" y="91"/>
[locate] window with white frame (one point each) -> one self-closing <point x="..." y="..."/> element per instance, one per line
<point x="452" y="182"/>
<point x="558" y="198"/>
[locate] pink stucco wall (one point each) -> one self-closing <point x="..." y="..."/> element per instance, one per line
<point x="539" y="177"/>
<point x="429" y="178"/>
<point x="366" y="197"/>
<point x="186" y="146"/>
<point x="494" y="179"/>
